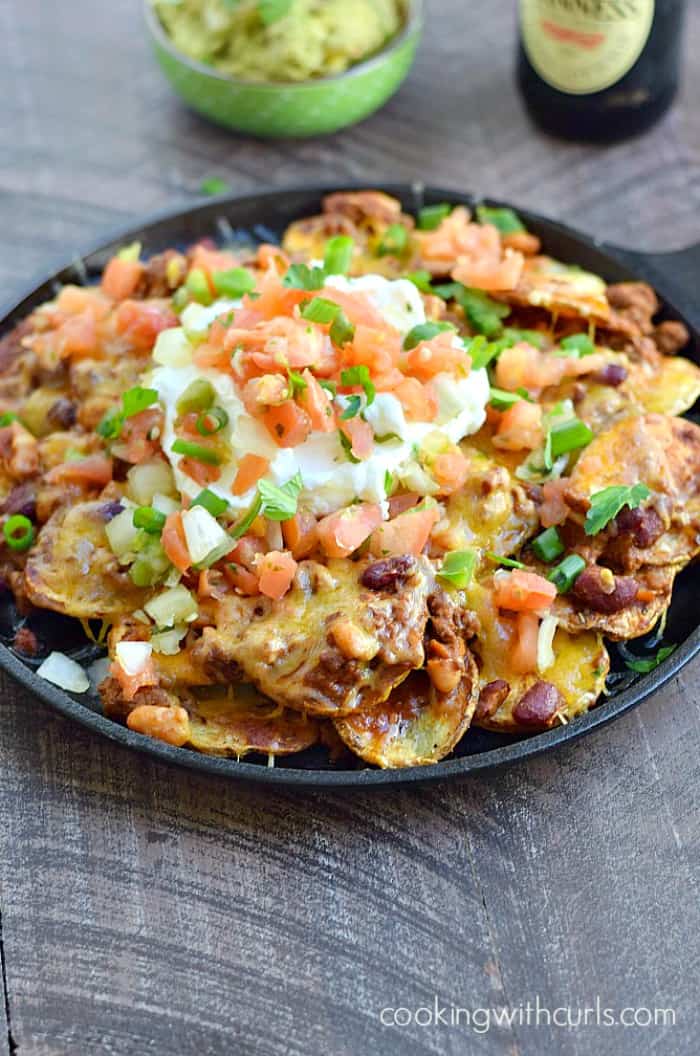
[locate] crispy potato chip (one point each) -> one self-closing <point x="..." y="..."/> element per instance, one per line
<point x="562" y="289"/>
<point x="632" y="621"/>
<point x="241" y="720"/>
<point x="417" y="725"/>
<point x="672" y="387"/>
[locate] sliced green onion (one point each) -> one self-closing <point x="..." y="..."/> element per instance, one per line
<point x="359" y="375"/>
<point x="424" y="332"/>
<point x="569" y="436"/>
<point x="533" y="337"/>
<point x="151" y="520"/>
<point x="481" y="351"/>
<point x="643" y="665"/>
<point x="8" y="419"/>
<point x="198" y="396"/>
<point x="197" y="285"/>
<point x="575" y="345"/>
<point x="138" y="399"/>
<point x="342" y="331"/>
<point x="346" y="445"/>
<point x="506" y="562"/>
<point x="484" y="314"/>
<point x="548" y="546"/>
<point x="430" y="217"/>
<point x="353" y="408"/>
<point x="565" y="574"/>
<point x="211" y="421"/>
<point x="394" y="241"/>
<point x="421" y="280"/>
<point x="211" y="503"/>
<point x="110" y="427"/>
<point x="320" y="310"/>
<point x="338" y="255"/>
<point x="247" y="522"/>
<point x="197" y="451"/>
<point x="506" y="220"/>
<point x="502" y="400"/>
<point x="297" y="384"/>
<point x="19" y="532"/>
<point x="234" y="282"/>
<point x="458" y="568"/>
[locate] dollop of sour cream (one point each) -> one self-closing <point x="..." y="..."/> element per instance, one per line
<point x="330" y="480"/>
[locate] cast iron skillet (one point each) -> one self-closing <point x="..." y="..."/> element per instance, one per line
<point x="263" y="217"/>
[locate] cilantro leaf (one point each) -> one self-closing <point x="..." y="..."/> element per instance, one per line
<point x="353" y="408"/>
<point x="606" y="504"/>
<point x="483" y="313"/>
<point x="424" y="332"/>
<point x="346" y="445"/>
<point x="280" y="504"/>
<point x="301" y="277"/>
<point x="421" y="280"/>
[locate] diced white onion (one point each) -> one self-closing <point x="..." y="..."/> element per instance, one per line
<point x="172" y="349"/>
<point x="132" y="657"/>
<point x="176" y="605"/>
<point x="121" y="532"/>
<point x="60" y="670"/>
<point x="545" y="638"/>
<point x="149" y="479"/>
<point x="168" y="642"/>
<point x="98" y="671"/>
<point x="164" y="504"/>
<point x="203" y="534"/>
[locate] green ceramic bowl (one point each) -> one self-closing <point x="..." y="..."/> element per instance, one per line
<point x="291" y="109"/>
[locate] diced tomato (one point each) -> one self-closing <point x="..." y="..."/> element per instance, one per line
<point x="518" y="367"/>
<point x="78" y="336"/>
<point x="450" y="470"/>
<point x="287" y="424"/>
<point x="400" y="503"/>
<point x="419" y="402"/>
<point x="73" y="300"/>
<point x="406" y="534"/>
<point x="209" y="355"/>
<point x="317" y="404"/>
<point x="358" y="308"/>
<point x="520" y="427"/>
<point x="134" y="445"/>
<point x="130" y="684"/>
<point x="276" y="571"/>
<point x="93" y="471"/>
<point x="523" y="658"/>
<point x="269" y="257"/>
<point x="200" y="472"/>
<point x="250" y="469"/>
<point x="270" y="390"/>
<point x="175" y="543"/>
<point x="361" y="437"/>
<point x="247" y="552"/>
<point x="437" y="356"/>
<point x="274" y="300"/>
<point x="341" y="533"/>
<point x="523" y="591"/>
<point x="491" y="274"/>
<point x="241" y="579"/>
<point x="121" y="278"/>
<point x="376" y="348"/>
<point x="140" y="322"/>
<point x="553" y="509"/>
<point x="300" y="535"/>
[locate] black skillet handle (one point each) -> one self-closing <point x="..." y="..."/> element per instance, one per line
<point x="675" y="275"/>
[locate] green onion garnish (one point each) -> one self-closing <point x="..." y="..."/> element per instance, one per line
<point x="211" y="421"/>
<point x="432" y="216"/>
<point x="394" y="241"/>
<point x="197" y="285"/>
<point x="211" y="503"/>
<point x="198" y="396"/>
<point x="565" y="574"/>
<point x="197" y="451"/>
<point x="320" y="310"/>
<point x="359" y="375"/>
<point x="342" y="331"/>
<point x="502" y="400"/>
<point x="505" y="562"/>
<point x="149" y="519"/>
<point x="234" y="283"/>
<point x="421" y="280"/>
<point x="297" y="384"/>
<point x="569" y="436"/>
<point x="353" y="408"/>
<point x="643" y="665"/>
<point x="483" y="313"/>
<point x="458" y="568"/>
<point x="8" y="419"/>
<point x="507" y="221"/>
<point x="575" y="345"/>
<point x="19" y="532"/>
<point x="338" y="255"/>
<point x="548" y="546"/>
<point x="137" y="399"/>
<point x="424" y="332"/>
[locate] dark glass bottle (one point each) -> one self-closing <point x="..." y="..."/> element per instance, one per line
<point x="599" y="70"/>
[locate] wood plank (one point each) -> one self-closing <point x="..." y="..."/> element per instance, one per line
<point x="149" y="910"/>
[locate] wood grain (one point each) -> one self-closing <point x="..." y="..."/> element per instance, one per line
<point x="146" y="910"/>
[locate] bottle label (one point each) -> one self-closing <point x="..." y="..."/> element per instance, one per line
<point x="584" y="46"/>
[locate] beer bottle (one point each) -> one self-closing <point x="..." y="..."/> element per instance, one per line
<point x="599" y="69"/>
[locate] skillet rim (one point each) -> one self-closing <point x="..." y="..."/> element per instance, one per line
<point x="455" y="768"/>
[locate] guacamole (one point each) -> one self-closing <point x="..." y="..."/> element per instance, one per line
<point x="280" y="40"/>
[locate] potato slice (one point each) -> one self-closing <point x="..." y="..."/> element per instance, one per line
<point x="561" y="289"/>
<point x="636" y="619"/>
<point x="72" y="569"/>
<point x="417" y="725"/>
<point x="672" y="387"/>
<point x="242" y="721"/>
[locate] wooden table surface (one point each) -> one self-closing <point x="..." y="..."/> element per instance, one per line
<point x="145" y="910"/>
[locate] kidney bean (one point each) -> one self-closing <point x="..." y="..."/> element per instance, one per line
<point x="388" y="574"/>
<point x="110" y="510"/>
<point x="62" y="413"/>
<point x="598" y="589"/>
<point x="491" y="698"/>
<point x="21" y="499"/>
<point x="538" y="706"/>
<point x="612" y="374"/>
<point x="644" y="525"/>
